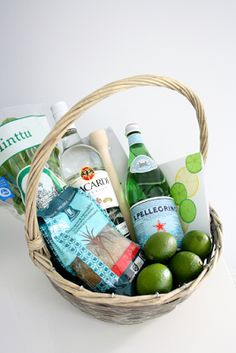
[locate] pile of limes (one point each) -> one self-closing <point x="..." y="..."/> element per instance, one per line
<point x="168" y="266"/>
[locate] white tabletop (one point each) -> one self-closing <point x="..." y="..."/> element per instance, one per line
<point x="36" y="319"/>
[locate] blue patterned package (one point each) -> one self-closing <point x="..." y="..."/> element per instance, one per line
<point x="86" y="243"/>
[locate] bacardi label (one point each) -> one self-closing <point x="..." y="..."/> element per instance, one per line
<point x="97" y="183"/>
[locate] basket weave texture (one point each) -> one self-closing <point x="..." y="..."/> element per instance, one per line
<point x="110" y="307"/>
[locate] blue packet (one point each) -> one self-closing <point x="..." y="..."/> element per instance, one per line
<point x="86" y="243"/>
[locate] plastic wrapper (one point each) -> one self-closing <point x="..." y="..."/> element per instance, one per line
<point x="6" y="198"/>
<point x="22" y="129"/>
<point x="87" y="245"/>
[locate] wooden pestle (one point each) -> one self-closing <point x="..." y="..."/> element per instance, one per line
<point x="99" y="140"/>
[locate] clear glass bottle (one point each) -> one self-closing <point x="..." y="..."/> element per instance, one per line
<point x="148" y="192"/>
<point x="82" y="167"/>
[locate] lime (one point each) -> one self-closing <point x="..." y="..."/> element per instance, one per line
<point x="197" y="242"/>
<point x="189" y="180"/>
<point x="154" y="278"/>
<point x="185" y="266"/>
<point x="178" y="192"/>
<point x="187" y="211"/>
<point x="160" y="247"/>
<point x="193" y="162"/>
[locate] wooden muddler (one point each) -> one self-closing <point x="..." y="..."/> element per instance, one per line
<point x="99" y="140"/>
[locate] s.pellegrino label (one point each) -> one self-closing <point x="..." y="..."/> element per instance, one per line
<point x="98" y="185"/>
<point x="49" y="186"/>
<point x="87" y="244"/>
<point x="157" y="214"/>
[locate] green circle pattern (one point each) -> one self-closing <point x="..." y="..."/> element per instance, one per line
<point x="193" y="163"/>
<point x="187" y="210"/>
<point x="178" y="192"/>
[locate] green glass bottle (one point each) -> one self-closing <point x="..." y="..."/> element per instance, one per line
<point x="148" y="192"/>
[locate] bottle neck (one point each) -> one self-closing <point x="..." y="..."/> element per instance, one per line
<point x="70" y="138"/>
<point x="135" y="138"/>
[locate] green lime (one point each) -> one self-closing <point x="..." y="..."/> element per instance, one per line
<point x="178" y="192"/>
<point x="193" y="163"/>
<point x="154" y="278"/>
<point x="185" y="266"/>
<point x="187" y="210"/>
<point x="160" y="247"/>
<point x="197" y="242"/>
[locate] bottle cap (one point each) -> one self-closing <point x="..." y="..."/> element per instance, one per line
<point x="131" y="128"/>
<point x="58" y="110"/>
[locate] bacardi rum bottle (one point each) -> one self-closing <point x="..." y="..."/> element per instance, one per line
<point x="148" y="193"/>
<point x="82" y="167"/>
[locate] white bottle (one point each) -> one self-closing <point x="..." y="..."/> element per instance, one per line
<point x="82" y="167"/>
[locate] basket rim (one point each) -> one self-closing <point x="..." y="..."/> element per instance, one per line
<point x="143" y="300"/>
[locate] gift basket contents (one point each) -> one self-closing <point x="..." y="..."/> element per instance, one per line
<point x="80" y="217"/>
<point x="146" y="233"/>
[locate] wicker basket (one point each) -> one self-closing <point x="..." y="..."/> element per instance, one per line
<point x="110" y="307"/>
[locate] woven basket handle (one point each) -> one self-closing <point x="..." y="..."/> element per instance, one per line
<point x="35" y="241"/>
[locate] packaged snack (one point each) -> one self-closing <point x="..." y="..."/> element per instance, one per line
<point x="86" y="243"/>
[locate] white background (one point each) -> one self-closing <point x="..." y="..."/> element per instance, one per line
<point x="53" y="50"/>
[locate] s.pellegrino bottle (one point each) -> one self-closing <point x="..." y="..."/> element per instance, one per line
<point x="148" y="193"/>
<point x="82" y="167"/>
